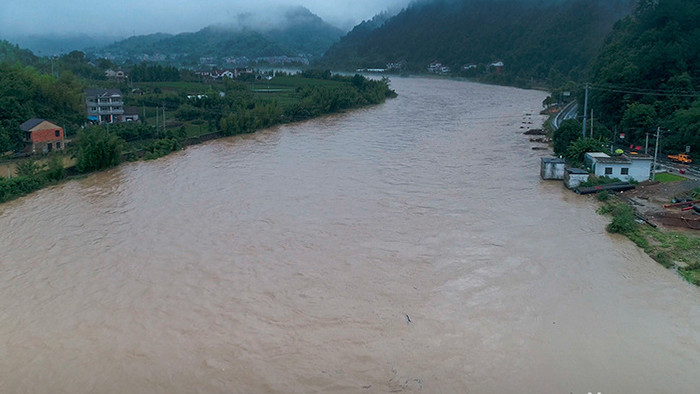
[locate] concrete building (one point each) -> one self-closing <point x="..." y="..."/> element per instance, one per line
<point x="104" y="105"/>
<point x="42" y="136"/>
<point x="131" y="114"/>
<point x="573" y="177"/>
<point x="552" y="168"/>
<point x="627" y="167"/>
<point x="640" y="170"/>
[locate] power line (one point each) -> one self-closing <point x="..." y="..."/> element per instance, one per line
<point x="645" y="92"/>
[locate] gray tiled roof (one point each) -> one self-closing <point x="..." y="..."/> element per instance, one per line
<point x="30" y="124"/>
<point x="102" y="92"/>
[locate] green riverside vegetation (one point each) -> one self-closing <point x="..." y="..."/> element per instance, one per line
<point x="666" y="247"/>
<point x="174" y="114"/>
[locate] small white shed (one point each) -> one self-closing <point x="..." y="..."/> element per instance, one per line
<point x="573" y="177"/>
<point x="552" y="168"/>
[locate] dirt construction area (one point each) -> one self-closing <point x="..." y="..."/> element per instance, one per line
<point x="649" y="198"/>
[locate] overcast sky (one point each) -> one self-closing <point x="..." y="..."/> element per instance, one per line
<point x="127" y="17"/>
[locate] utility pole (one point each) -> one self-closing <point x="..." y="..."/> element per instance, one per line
<point x="646" y="145"/>
<point x="656" y="152"/>
<point x="591" y="122"/>
<point x="585" y="112"/>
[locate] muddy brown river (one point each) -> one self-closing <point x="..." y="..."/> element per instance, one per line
<point x="408" y="247"/>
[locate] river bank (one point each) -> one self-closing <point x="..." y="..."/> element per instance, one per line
<point x="673" y="247"/>
<point x="639" y="215"/>
<point x="239" y="109"/>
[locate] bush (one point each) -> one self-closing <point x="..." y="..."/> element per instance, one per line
<point x="603" y="196"/>
<point x="663" y="258"/>
<point x="161" y="148"/>
<point x="55" y="170"/>
<point x="20" y="186"/>
<point x="623" y="221"/>
<point x="597" y="181"/>
<point x="97" y="148"/>
<point x="27" y="168"/>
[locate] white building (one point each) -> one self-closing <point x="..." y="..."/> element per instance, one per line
<point x="625" y="168"/>
<point x="104" y="105"/>
<point x="552" y="168"/>
<point x="573" y="177"/>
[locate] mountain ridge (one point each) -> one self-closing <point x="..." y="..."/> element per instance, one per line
<point x="457" y="33"/>
<point x="297" y="32"/>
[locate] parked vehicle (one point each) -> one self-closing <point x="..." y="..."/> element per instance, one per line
<point x="681" y="158"/>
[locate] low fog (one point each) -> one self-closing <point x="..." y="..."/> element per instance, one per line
<point x="137" y="17"/>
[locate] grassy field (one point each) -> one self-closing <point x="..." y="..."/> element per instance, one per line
<point x="9" y="167"/>
<point x="667" y="177"/>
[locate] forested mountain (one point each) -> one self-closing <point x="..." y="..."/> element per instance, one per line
<point x="539" y="40"/>
<point x="297" y="33"/>
<point x="648" y="73"/>
<point x="48" y="44"/>
<point x="10" y="53"/>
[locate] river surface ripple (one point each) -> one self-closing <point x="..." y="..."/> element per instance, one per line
<point x="405" y="247"/>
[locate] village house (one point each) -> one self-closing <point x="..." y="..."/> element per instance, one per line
<point x="625" y="168"/>
<point x="131" y="114"/>
<point x="497" y="67"/>
<point x="104" y="105"/>
<point x="118" y="76"/>
<point x="42" y="136"/>
<point x="227" y="73"/>
<point x="438" y="68"/>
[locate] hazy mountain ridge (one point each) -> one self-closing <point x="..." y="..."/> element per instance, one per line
<point x="50" y="45"/>
<point x="13" y="53"/>
<point x="296" y="32"/>
<point x="533" y="38"/>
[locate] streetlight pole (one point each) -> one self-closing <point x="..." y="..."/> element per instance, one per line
<point x="656" y="152"/>
<point x="585" y="113"/>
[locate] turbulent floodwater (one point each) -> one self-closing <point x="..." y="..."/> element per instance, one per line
<point x="405" y="247"/>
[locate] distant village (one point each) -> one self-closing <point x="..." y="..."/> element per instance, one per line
<point x="185" y="60"/>
<point x="437" y="67"/>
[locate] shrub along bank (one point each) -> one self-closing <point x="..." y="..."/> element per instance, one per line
<point x="666" y="247"/>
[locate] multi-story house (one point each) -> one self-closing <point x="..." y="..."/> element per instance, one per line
<point x="104" y="105"/>
<point x="41" y="136"/>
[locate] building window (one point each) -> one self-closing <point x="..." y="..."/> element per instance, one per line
<point x="624" y="171"/>
<point x="608" y="170"/>
<point x="58" y="133"/>
<point x="58" y="145"/>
